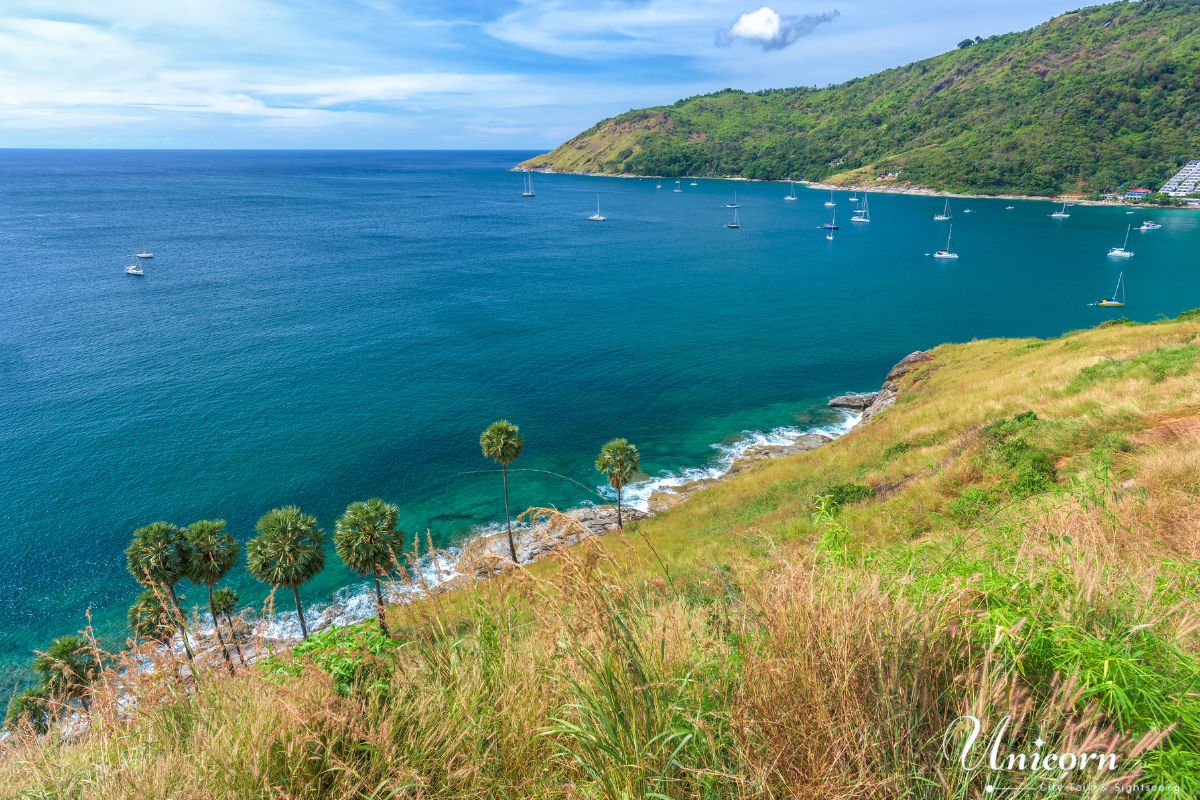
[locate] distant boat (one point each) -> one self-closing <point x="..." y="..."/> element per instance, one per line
<point x="733" y="204"/>
<point x="659" y="186"/>
<point x="528" y="191"/>
<point x="863" y="214"/>
<point x="946" y="252"/>
<point x="134" y="269"/>
<point x="829" y="203"/>
<point x="1114" y="302"/>
<point x="966" y="211"/>
<point x="832" y="224"/>
<point x="1147" y="225"/>
<point x="1009" y="208"/>
<point x="1061" y="213"/>
<point x="829" y="236"/>
<point x="1122" y="252"/>
<point x="791" y="195"/>
<point x="693" y="183"/>
<point x="945" y="215"/>
<point x="735" y="223"/>
<point x="677" y="189"/>
<point x="853" y="198"/>
<point x="597" y="217"/>
<point x="1128" y="212"/>
<point x="143" y="253"/>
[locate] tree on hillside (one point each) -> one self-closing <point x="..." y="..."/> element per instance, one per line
<point x="224" y="601"/>
<point x="156" y="558"/>
<point x="68" y="668"/>
<point x="502" y="443"/>
<point x="151" y="616"/>
<point x="367" y="539"/>
<point x="211" y="555"/>
<point x="619" y="460"/>
<point x="288" y="552"/>
<point x="30" y="707"/>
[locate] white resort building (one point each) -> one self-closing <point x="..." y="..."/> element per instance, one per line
<point x="1185" y="182"/>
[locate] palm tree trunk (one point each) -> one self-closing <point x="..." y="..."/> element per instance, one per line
<point x="379" y="602"/>
<point x="300" y="611"/>
<point x="512" y="547"/>
<point x="212" y="609"/>
<point x="620" y="524"/>
<point x="180" y="622"/>
<point x="233" y="638"/>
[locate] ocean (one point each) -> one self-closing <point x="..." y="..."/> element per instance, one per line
<point x="322" y="327"/>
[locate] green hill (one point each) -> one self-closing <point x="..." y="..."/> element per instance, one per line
<point x="1095" y="99"/>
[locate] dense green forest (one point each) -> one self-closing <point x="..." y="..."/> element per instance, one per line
<point x="1093" y="100"/>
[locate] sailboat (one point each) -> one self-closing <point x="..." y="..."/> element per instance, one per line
<point x="946" y="252"/>
<point x="693" y="183"/>
<point x="945" y="215"/>
<point x="597" y="217"/>
<point x="1148" y="225"/>
<point x="863" y="214"/>
<point x="791" y="195"/>
<point x="1113" y="302"/>
<point x="829" y="203"/>
<point x="1121" y="252"/>
<point x="832" y="224"/>
<point x="144" y="253"/>
<point x="1061" y="213"/>
<point x="734" y="204"/>
<point x="134" y="269"/>
<point x="677" y="189"/>
<point x="735" y="223"/>
<point x="528" y="191"/>
<point x="853" y="198"/>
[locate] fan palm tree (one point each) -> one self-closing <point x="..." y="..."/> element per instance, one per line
<point x="619" y="460"/>
<point x="68" y="668"/>
<point x="288" y="551"/>
<point x="367" y="539"/>
<point x="502" y="443"/>
<point x="157" y="556"/>
<point x="224" y="601"/>
<point x="211" y="553"/>
<point x="151" y="618"/>
<point x="31" y="707"/>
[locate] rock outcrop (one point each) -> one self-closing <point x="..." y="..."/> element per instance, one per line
<point x="891" y="386"/>
<point x="854" y="402"/>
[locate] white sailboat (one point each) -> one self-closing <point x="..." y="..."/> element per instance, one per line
<point x="735" y="223"/>
<point x="733" y="204"/>
<point x="853" y="198"/>
<point x="1061" y="213"/>
<point x="1118" y="296"/>
<point x="677" y="187"/>
<point x="1122" y="251"/>
<point x="528" y="190"/>
<point x="945" y="215"/>
<point x="829" y="203"/>
<point x="791" y="195"/>
<point x="693" y="183"/>
<point x="946" y="252"/>
<point x="863" y="214"/>
<point x="597" y="217"/>
<point x="832" y="224"/>
<point x="134" y="269"/>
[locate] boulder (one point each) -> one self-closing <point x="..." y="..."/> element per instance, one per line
<point x="854" y="402"/>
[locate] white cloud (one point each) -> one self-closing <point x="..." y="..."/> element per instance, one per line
<point x="770" y="30"/>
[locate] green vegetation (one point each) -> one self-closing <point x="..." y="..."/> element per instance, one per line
<point x="288" y="552"/>
<point x="619" y="461"/>
<point x="1091" y="101"/>
<point x="368" y="540"/>
<point x="211" y="554"/>
<point x="502" y="443"/>
<point x="157" y="559"/>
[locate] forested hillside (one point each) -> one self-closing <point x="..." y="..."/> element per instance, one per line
<point x="1095" y="99"/>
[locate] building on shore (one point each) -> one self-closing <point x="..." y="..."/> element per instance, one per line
<point x="1137" y="194"/>
<point x="1185" y="182"/>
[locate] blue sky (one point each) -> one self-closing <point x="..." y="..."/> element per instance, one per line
<point x="459" y="74"/>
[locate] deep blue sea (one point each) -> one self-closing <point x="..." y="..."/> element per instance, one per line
<point x="322" y="327"/>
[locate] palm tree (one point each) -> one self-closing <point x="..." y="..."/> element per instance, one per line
<point x="367" y="539"/>
<point x="211" y="554"/>
<point x="32" y="707"/>
<point x="619" y="460"/>
<point x="157" y="556"/>
<point x="151" y="618"/>
<point x="223" y="602"/>
<point x="502" y="443"/>
<point x="68" y="668"/>
<point x="288" y="551"/>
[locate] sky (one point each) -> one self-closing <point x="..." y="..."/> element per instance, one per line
<point x="503" y="74"/>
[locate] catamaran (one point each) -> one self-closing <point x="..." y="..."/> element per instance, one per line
<point x="1061" y="213"/>
<point x="791" y="195"/>
<point x="528" y="190"/>
<point x="863" y="213"/>
<point x="735" y="223"/>
<point x="733" y="204"/>
<point x="1114" y="302"/>
<point x="829" y="203"/>
<point x="1122" y="252"/>
<point x="945" y="215"/>
<point x="1148" y="225"/>
<point x="946" y="252"/>
<point x="832" y="224"/>
<point x="597" y="217"/>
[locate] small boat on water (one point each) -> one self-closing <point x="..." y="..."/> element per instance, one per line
<point x="1118" y="296"/>
<point x="528" y="190"/>
<point x="945" y="215"/>
<point x="1061" y="213"/>
<point x="1122" y="251"/>
<point x="134" y="269"/>
<point x="677" y="187"/>
<point x="829" y="203"/>
<point x="735" y="222"/>
<point x="1009" y="208"/>
<point x="832" y="224"/>
<point x="659" y="186"/>
<point x="791" y="195"/>
<point x="1148" y="225"/>
<point x="946" y="252"/>
<point x="734" y="203"/>
<point x="693" y="183"/>
<point x="597" y="217"/>
<point x="143" y="253"/>
<point x="853" y="198"/>
<point x="863" y="212"/>
<point x="829" y="236"/>
<point x="966" y="211"/>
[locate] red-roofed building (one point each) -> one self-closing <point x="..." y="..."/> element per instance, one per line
<point x="1137" y="194"/>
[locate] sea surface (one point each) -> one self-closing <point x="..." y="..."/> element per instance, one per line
<point x="321" y="327"/>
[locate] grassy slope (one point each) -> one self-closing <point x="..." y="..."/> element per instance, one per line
<point x="1043" y="565"/>
<point x="1086" y="102"/>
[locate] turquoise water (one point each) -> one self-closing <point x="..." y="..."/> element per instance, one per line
<point x="318" y="328"/>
